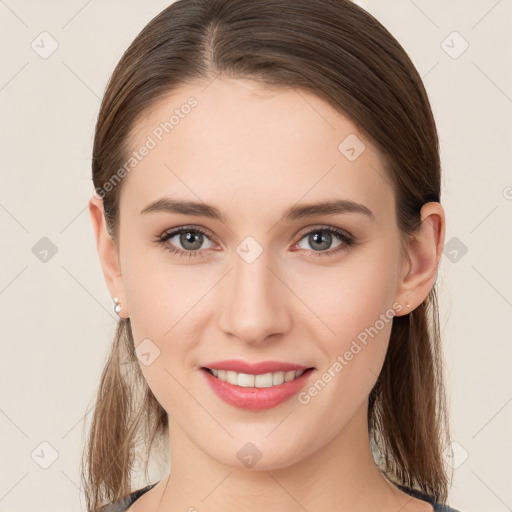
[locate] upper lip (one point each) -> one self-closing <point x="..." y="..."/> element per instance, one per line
<point x="254" y="368"/>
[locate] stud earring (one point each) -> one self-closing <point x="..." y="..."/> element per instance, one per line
<point x="408" y="305"/>
<point x="117" y="306"/>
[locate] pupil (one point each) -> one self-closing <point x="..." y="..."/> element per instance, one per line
<point x="190" y="237"/>
<point x="325" y="238"/>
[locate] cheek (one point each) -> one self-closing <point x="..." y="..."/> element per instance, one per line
<point x="165" y="307"/>
<point x="352" y="297"/>
<point x="357" y="308"/>
<point x="160" y="294"/>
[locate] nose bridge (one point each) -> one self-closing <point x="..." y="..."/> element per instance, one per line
<point x="255" y="306"/>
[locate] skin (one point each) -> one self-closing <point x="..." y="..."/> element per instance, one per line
<point x="253" y="152"/>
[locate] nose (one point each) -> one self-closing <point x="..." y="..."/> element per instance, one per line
<point x="255" y="302"/>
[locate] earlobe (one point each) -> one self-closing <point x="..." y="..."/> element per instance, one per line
<point x="107" y="249"/>
<point x="424" y="253"/>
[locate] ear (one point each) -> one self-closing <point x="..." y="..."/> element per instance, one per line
<point x="107" y="252"/>
<point x="424" y="250"/>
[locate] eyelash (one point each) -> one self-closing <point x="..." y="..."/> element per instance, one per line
<point x="346" y="239"/>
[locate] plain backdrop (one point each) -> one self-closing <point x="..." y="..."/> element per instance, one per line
<point x="57" y="321"/>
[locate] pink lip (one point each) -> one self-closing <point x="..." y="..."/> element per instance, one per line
<point x="254" y="368"/>
<point x="256" y="398"/>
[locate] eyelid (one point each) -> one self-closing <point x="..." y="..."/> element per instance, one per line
<point x="320" y="227"/>
<point x="178" y="229"/>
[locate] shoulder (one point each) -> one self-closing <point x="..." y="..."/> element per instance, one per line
<point x="438" y="507"/>
<point x="124" y="503"/>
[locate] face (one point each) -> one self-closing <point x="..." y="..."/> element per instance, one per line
<point x="315" y="289"/>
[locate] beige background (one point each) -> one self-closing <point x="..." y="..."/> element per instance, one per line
<point x="56" y="316"/>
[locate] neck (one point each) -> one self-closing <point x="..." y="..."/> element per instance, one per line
<point x="342" y="475"/>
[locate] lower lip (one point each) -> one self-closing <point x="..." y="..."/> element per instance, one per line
<point x="256" y="398"/>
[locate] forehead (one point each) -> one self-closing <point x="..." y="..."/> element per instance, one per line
<point x="238" y="144"/>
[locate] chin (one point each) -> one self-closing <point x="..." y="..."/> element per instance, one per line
<point x="262" y="454"/>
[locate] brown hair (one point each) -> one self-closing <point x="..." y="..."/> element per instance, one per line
<point x="342" y="54"/>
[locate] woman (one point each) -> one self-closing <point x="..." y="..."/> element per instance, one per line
<point x="268" y="222"/>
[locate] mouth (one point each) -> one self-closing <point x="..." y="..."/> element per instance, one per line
<point x="264" y="380"/>
<point x="256" y="391"/>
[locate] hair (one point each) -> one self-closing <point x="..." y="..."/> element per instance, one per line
<point x="342" y="54"/>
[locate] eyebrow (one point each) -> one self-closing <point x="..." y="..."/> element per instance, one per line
<point x="334" y="207"/>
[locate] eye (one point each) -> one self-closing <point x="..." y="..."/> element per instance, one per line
<point x="321" y="239"/>
<point x="190" y="239"/>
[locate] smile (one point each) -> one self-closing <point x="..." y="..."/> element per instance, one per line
<point x="256" y="391"/>
<point x="246" y="380"/>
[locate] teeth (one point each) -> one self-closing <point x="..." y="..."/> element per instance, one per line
<point x="232" y="377"/>
<point x="288" y="376"/>
<point x="277" y="378"/>
<point x="265" y="380"/>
